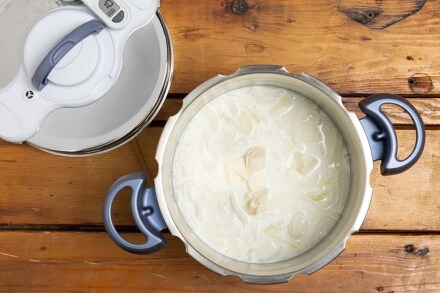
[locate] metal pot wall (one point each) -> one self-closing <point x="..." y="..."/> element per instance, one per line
<point x="369" y="139"/>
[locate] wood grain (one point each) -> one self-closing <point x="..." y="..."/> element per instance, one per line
<point x="305" y="36"/>
<point x="51" y="237"/>
<point x="48" y="190"/>
<point x="89" y="262"/>
<point x="39" y="188"/>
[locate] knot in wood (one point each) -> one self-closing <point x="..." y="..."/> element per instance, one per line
<point x="365" y="17"/>
<point x="411" y="249"/>
<point x="420" y="83"/>
<point x="378" y="14"/>
<point x="239" y="7"/>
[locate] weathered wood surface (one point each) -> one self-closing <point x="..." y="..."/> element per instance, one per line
<point x="397" y="250"/>
<point x="89" y="262"/>
<point x="305" y="36"/>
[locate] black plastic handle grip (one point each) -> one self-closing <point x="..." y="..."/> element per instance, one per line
<point x="39" y="80"/>
<point x="382" y="136"/>
<point x="146" y="214"/>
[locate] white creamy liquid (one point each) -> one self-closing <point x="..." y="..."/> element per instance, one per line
<point x="261" y="174"/>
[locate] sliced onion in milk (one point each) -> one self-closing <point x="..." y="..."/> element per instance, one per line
<point x="261" y="174"/>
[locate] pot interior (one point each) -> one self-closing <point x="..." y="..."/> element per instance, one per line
<point x="359" y="163"/>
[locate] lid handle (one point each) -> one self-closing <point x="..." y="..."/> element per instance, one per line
<point x="40" y="78"/>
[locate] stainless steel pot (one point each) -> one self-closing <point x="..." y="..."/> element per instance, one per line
<point x="372" y="138"/>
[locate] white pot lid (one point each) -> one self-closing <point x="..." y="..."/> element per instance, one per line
<point x="70" y="58"/>
<point x="126" y="109"/>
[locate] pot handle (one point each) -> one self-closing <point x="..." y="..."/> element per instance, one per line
<point x="146" y="214"/>
<point x="382" y="136"/>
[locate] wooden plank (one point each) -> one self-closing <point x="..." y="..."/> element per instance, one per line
<point x="408" y="201"/>
<point x="38" y="188"/>
<point x="79" y="262"/>
<point x="210" y="38"/>
<point x="429" y="109"/>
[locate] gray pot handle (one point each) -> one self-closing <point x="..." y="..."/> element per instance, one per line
<point x="39" y="80"/>
<point x="146" y="214"/>
<point x="382" y="137"/>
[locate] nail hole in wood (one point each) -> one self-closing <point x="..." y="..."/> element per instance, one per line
<point x="409" y="248"/>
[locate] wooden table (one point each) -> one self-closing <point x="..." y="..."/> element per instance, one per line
<point x="51" y="232"/>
